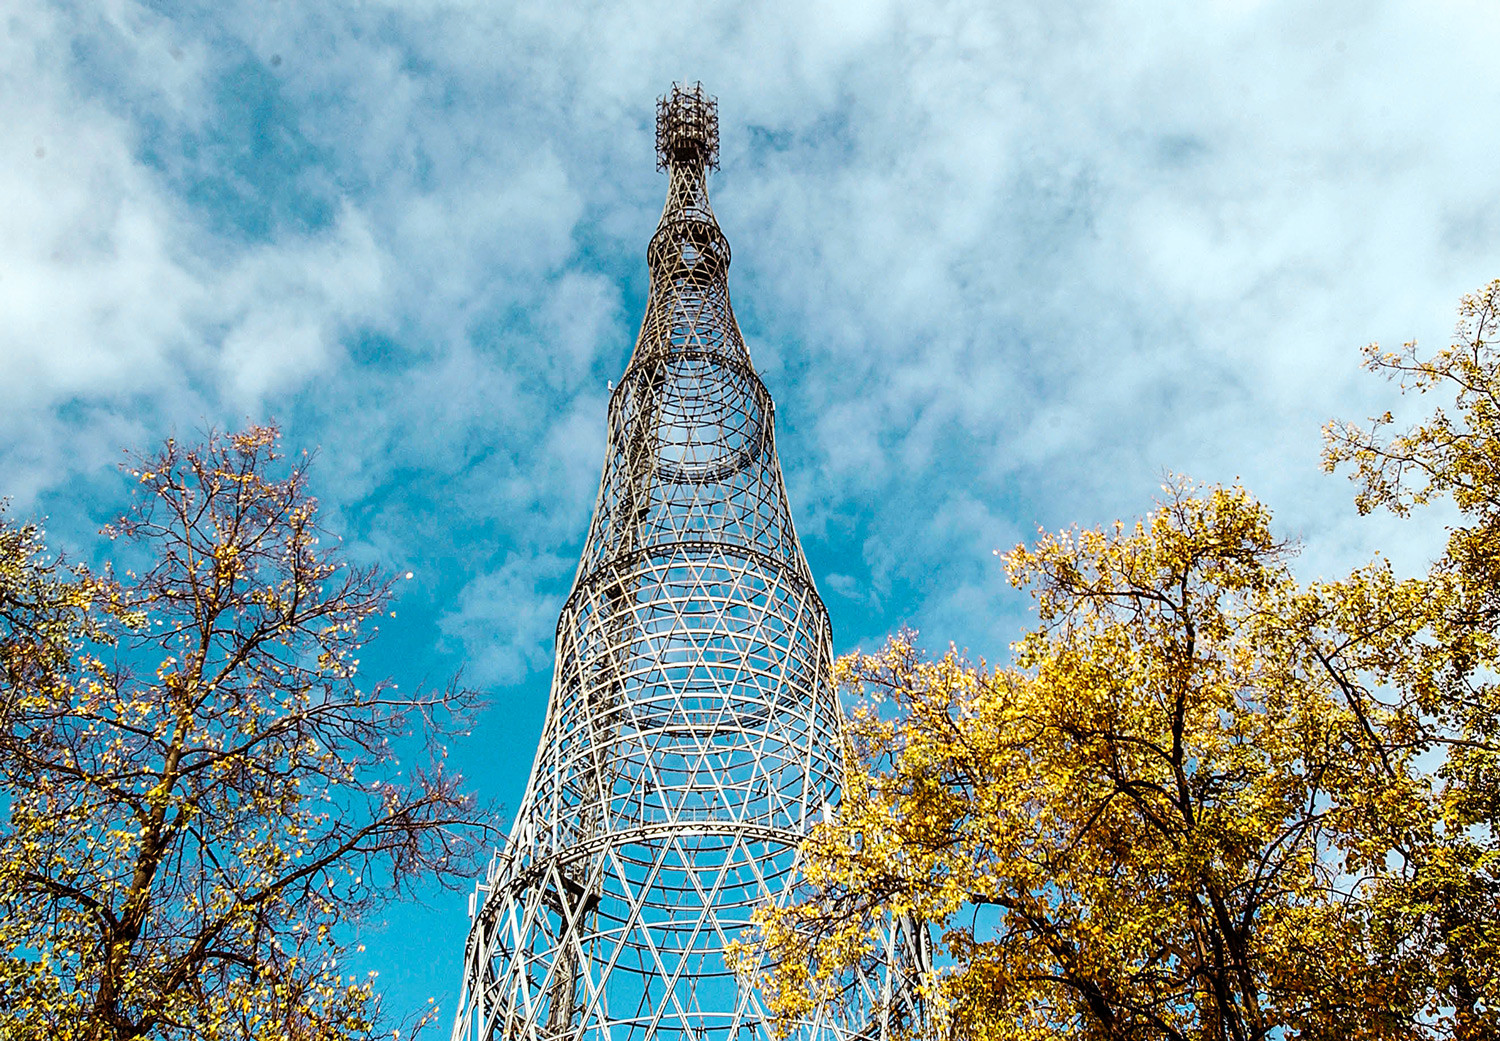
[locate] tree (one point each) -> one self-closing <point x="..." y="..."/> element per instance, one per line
<point x="1447" y="895"/>
<point x="209" y="793"/>
<point x="43" y="608"/>
<point x="1202" y="800"/>
<point x="1152" y="825"/>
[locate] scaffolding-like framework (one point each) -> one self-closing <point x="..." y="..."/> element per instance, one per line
<point x="692" y="736"/>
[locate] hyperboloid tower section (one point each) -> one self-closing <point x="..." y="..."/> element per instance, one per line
<point x="692" y="735"/>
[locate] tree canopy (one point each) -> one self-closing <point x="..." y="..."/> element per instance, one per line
<point x="1201" y="799"/>
<point x="201" y="790"/>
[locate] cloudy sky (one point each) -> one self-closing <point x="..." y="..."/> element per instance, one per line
<point x="1002" y="264"/>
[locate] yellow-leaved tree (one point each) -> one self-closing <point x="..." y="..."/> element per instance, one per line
<point x="1202" y="800"/>
<point x="199" y="790"/>
<point x="1151" y="825"/>
<point x="43" y="611"/>
<point x="1444" y="897"/>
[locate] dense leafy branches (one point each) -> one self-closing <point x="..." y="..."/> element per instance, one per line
<point x="1145" y="828"/>
<point x="43" y="610"/>
<point x="1203" y="800"/>
<point x="1448" y="893"/>
<point x="209" y="791"/>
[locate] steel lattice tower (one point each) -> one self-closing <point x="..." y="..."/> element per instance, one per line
<point x="692" y="735"/>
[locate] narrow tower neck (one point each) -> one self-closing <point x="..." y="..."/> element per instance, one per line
<point x="687" y="195"/>
<point x="687" y="147"/>
<point x="688" y="256"/>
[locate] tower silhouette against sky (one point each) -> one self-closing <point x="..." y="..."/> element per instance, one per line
<point x="692" y="734"/>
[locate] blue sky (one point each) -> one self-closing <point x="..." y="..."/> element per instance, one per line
<point x="1001" y="265"/>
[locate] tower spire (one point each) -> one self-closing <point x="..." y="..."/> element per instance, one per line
<point x="692" y="732"/>
<point x="687" y="129"/>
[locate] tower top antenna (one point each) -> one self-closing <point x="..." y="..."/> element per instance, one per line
<point x="687" y="128"/>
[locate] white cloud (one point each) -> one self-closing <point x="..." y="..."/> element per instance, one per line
<point x="1029" y="252"/>
<point x="285" y="305"/>
<point x="92" y="297"/>
<point x="505" y="619"/>
<point x="116" y="302"/>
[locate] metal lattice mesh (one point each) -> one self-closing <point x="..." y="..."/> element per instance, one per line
<point x="692" y="735"/>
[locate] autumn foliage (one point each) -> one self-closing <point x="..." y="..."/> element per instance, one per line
<point x="1202" y="800"/>
<point x="200" y="788"/>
